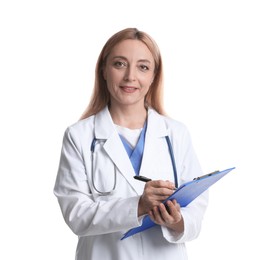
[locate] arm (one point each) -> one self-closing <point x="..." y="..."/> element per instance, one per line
<point x="83" y="214"/>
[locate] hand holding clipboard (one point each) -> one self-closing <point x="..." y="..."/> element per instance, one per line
<point x="185" y="194"/>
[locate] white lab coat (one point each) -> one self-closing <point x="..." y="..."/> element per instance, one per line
<point x="100" y="221"/>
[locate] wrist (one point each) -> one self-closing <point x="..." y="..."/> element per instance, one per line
<point x="141" y="208"/>
<point x="178" y="227"/>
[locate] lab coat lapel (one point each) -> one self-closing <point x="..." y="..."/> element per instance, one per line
<point x="105" y="129"/>
<point x="156" y="163"/>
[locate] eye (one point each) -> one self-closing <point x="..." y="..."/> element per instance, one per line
<point x="120" y="64"/>
<point x="143" y="67"/>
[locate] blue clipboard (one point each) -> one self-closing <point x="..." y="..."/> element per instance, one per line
<point x="185" y="194"/>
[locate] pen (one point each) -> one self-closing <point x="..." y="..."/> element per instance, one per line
<point x="144" y="179"/>
<point x="141" y="178"/>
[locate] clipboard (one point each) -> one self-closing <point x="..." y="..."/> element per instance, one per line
<point x="184" y="195"/>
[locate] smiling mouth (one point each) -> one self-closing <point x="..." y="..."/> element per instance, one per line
<point x="128" y="89"/>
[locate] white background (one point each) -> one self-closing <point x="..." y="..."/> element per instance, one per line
<point x="214" y="59"/>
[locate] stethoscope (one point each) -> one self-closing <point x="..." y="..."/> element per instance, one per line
<point x="104" y="193"/>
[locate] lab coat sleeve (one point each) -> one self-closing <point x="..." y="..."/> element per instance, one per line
<point x="83" y="215"/>
<point x="193" y="213"/>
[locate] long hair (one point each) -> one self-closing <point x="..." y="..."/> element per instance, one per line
<point x="101" y="96"/>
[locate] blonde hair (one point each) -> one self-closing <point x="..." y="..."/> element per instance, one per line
<point x="101" y="96"/>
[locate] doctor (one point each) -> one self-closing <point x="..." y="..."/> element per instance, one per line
<point x="124" y="133"/>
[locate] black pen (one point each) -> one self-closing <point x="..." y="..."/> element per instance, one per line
<point x="144" y="179"/>
<point x="141" y="178"/>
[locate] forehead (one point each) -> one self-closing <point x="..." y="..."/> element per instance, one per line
<point x="132" y="49"/>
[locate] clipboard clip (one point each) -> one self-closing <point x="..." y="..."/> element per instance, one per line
<point x="206" y="175"/>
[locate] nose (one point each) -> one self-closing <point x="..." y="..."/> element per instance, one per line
<point x="130" y="74"/>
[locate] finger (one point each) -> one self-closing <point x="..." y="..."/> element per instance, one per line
<point x="171" y="208"/>
<point x="176" y="204"/>
<point x="165" y="215"/>
<point x="162" y="184"/>
<point x="174" y="210"/>
<point x="157" y="216"/>
<point x="165" y="192"/>
<point x="159" y="194"/>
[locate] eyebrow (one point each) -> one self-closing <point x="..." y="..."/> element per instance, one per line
<point x="124" y="58"/>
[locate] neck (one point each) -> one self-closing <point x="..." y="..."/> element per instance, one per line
<point x="130" y="117"/>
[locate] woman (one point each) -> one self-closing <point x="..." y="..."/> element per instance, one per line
<point x="124" y="133"/>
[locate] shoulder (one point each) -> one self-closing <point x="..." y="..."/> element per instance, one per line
<point x="95" y="126"/>
<point x="82" y="125"/>
<point x="80" y="132"/>
<point x="171" y="124"/>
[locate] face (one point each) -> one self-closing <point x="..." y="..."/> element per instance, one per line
<point x="129" y="72"/>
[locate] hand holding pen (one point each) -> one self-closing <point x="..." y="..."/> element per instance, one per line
<point x="155" y="192"/>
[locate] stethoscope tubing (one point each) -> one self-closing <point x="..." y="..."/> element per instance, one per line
<point x="104" y="193"/>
